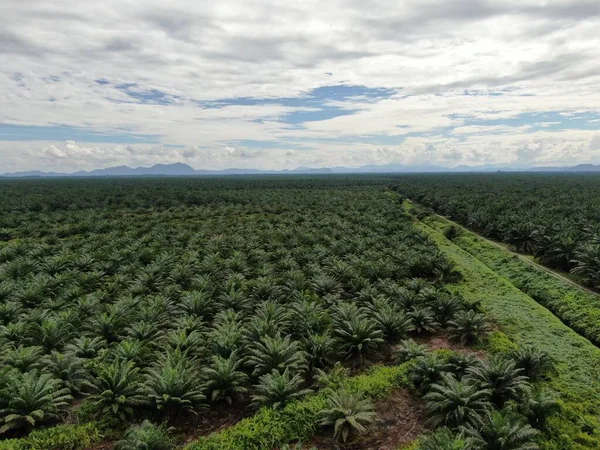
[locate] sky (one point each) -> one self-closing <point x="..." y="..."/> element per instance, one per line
<point x="277" y="85"/>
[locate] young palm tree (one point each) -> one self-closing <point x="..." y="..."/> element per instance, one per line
<point x="426" y="371"/>
<point x="320" y="349"/>
<point x="309" y="317"/>
<point x="390" y="319"/>
<point x="446" y="307"/>
<point x="502" y="377"/>
<point x="408" y="350"/>
<point x="348" y="413"/>
<point x="445" y="439"/>
<point x="459" y="363"/>
<point x="278" y="353"/>
<point x="503" y="430"/>
<point x="277" y="389"/>
<point x="70" y="370"/>
<point x="324" y="284"/>
<point x="356" y="332"/>
<point x="118" y="389"/>
<point x="131" y="350"/>
<point x="23" y="358"/>
<point x="455" y="403"/>
<point x="146" y="436"/>
<point x="33" y="398"/>
<point x="468" y="327"/>
<point x="197" y="303"/>
<point x="225" y="338"/>
<point x="225" y="380"/>
<point x="535" y="364"/>
<point x="86" y="347"/>
<point x="423" y="319"/>
<point x="537" y="407"/>
<point x="175" y="388"/>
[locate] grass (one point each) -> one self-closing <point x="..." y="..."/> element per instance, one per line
<point x="526" y="322"/>
<point x="576" y="307"/>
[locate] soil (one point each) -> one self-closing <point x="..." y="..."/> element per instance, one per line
<point x="442" y="341"/>
<point x="401" y="419"/>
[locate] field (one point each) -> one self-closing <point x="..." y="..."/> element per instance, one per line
<point x="287" y="312"/>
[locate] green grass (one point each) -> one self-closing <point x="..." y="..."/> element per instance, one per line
<point x="576" y="307"/>
<point x="526" y="322"/>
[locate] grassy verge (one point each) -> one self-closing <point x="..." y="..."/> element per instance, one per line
<point x="269" y="428"/>
<point x="576" y="307"/>
<point x="526" y="322"/>
<point x="61" y="437"/>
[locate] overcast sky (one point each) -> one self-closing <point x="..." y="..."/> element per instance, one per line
<point x="275" y="84"/>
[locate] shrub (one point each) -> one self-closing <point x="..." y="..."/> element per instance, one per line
<point x="60" y="437"/>
<point x="146" y="436"/>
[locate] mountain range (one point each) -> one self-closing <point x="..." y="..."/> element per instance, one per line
<point x="181" y="169"/>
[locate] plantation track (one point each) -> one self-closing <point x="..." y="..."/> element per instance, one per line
<point x="526" y="258"/>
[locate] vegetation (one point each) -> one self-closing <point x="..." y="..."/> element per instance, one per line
<point x="553" y="217"/>
<point x="129" y="303"/>
<point x="574" y="360"/>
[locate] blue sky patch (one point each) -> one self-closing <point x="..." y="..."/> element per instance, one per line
<point x="9" y="132"/>
<point x="540" y="121"/>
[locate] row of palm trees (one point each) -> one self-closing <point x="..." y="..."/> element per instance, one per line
<point x="553" y="218"/>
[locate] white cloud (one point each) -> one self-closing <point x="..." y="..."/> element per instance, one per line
<point x="541" y="56"/>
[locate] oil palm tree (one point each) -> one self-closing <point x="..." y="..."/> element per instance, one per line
<point x="468" y="327"/>
<point x="350" y="414"/>
<point x="174" y="388"/>
<point x="33" y="398"/>
<point x="503" y="430"/>
<point x="225" y="380"/>
<point x="409" y="349"/>
<point x="454" y="403"/>
<point x="502" y="377"/>
<point x="118" y="389"/>
<point x="423" y="319"/>
<point x="535" y="364"/>
<point x="537" y="406"/>
<point x="445" y="439"/>
<point x="70" y="370"/>
<point x="276" y="353"/>
<point x="276" y="389"/>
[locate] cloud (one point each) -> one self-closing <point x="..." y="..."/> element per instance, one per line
<point x="346" y="82"/>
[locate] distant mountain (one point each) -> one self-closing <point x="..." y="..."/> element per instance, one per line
<point x="578" y="168"/>
<point x="180" y="169"/>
